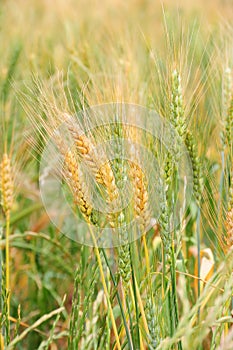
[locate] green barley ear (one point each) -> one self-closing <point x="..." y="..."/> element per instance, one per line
<point x="119" y="171"/>
<point x="177" y="120"/>
<point x="229" y="124"/>
<point x="11" y="70"/>
<point x="177" y="107"/>
<point x="227" y="109"/>
<point x="124" y="259"/>
<point x="196" y="167"/>
<point x="164" y="223"/>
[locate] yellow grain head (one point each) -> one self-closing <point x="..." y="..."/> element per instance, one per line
<point x="6" y="184"/>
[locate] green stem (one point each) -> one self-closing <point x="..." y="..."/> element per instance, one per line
<point x="96" y="249"/>
<point x="174" y="292"/>
<point x="198" y="252"/>
<point x="7" y="252"/>
<point x="198" y="260"/>
<point x="118" y="299"/>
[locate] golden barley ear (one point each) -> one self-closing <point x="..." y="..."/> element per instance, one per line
<point x="85" y="150"/>
<point x="141" y="204"/>
<point x="71" y="175"/>
<point x="73" y="179"/>
<point x="6" y="185"/>
<point x="84" y="145"/>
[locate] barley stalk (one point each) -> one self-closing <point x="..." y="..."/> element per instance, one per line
<point x="142" y="214"/>
<point x="229" y="220"/>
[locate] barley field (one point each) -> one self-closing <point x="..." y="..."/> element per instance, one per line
<point x="116" y="174"/>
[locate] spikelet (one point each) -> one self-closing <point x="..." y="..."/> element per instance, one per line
<point x="168" y="171"/>
<point x="107" y="178"/>
<point x="6" y="185"/>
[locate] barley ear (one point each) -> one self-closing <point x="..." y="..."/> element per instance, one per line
<point x="196" y="166"/>
<point x="6" y="185"/>
<point x="177" y="106"/>
<point x="227" y="109"/>
<point x="141" y="204"/>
